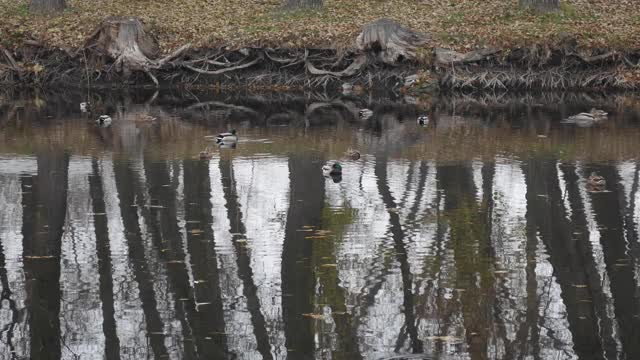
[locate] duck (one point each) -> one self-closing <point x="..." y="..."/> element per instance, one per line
<point x="85" y="107"/>
<point x="206" y="154"/>
<point x="143" y="118"/>
<point x="598" y="113"/>
<point x="586" y="119"/>
<point x="353" y="154"/>
<point x="365" y="114"/>
<point x="227" y="138"/>
<point x="224" y="145"/>
<point x="332" y="169"/>
<point x="596" y="183"/>
<point x="104" y="121"/>
<point x="423" y="120"/>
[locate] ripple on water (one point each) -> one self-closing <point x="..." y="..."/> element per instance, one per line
<point x="403" y="234"/>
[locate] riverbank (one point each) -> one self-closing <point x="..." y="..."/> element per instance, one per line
<point x="465" y="45"/>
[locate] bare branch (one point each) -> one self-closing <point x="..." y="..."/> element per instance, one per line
<point x="221" y="71"/>
<point x="351" y="70"/>
<point x="171" y="56"/>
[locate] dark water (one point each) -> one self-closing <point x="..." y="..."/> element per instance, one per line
<point x="472" y="238"/>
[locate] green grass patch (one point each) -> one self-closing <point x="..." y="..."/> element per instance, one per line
<point x="567" y="12"/>
<point x="22" y="10"/>
<point x="454" y="18"/>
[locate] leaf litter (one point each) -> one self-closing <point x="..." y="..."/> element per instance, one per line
<point x="460" y="24"/>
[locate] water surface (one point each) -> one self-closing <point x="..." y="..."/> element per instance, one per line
<point x="472" y="238"/>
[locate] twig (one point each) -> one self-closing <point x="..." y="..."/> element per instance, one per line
<point x="630" y="63"/>
<point x="158" y="64"/>
<point x="11" y="60"/>
<point x="351" y="70"/>
<point x="221" y="71"/>
<point x="155" y="80"/>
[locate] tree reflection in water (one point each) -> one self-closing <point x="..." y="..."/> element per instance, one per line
<point x="474" y="237"/>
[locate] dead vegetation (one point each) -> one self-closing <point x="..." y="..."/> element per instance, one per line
<point x="466" y="45"/>
<point x="459" y="24"/>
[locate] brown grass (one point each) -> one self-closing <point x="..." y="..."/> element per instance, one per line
<point x="455" y="23"/>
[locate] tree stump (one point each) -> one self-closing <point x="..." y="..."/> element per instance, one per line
<point x="542" y="6"/>
<point x="390" y="41"/>
<point x="46" y="6"/>
<point x="125" y="40"/>
<point x="295" y="4"/>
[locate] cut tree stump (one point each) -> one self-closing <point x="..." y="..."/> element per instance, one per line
<point x="390" y="41"/>
<point x="125" y="40"/>
<point x="542" y="6"/>
<point x="46" y="6"/>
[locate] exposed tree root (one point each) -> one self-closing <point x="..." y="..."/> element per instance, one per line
<point x="121" y="52"/>
<point x="241" y="65"/>
<point x="555" y="78"/>
<point x="131" y="48"/>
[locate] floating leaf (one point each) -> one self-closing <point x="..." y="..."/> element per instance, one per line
<point x="315" y="237"/>
<point x="314" y="316"/>
<point x="444" y="338"/>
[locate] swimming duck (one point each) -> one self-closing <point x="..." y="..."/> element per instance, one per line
<point x="365" y="114"/>
<point x="353" y="154"/>
<point x="596" y="183"/>
<point x="227" y="138"/>
<point x="143" y="118"/>
<point x="85" y="107"/>
<point x="332" y="169"/>
<point x="206" y="154"/>
<point x="423" y="120"/>
<point x="104" y="121"/>
<point x="224" y="145"/>
<point x="586" y="119"/>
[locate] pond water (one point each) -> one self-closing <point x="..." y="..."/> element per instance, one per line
<point x="475" y="237"/>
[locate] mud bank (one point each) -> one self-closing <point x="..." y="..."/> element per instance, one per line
<point x="120" y="53"/>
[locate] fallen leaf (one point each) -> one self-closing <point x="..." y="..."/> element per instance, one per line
<point x="314" y="316"/>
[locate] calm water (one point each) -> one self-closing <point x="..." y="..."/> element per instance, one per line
<point x="472" y="238"/>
